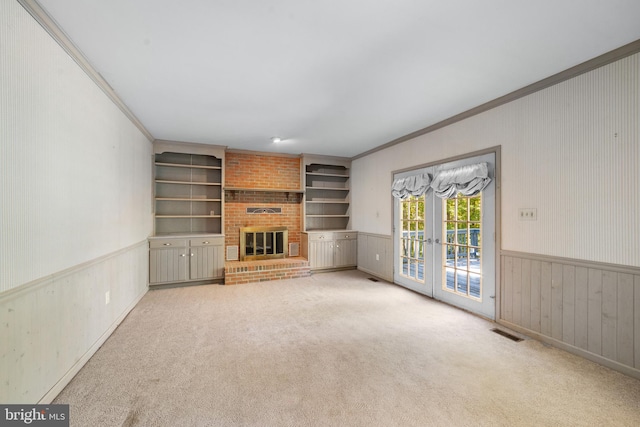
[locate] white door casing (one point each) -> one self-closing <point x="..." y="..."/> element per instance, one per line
<point x="435" y="239"/>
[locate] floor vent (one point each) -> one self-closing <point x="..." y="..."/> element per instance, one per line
<point x="372" y="279"/>
<point x="507" y="335"/>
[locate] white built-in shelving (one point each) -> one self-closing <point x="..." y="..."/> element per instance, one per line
<point x="327" y="194"/>
<point x="188" y="193"/>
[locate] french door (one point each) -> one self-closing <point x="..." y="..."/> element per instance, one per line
<point x="445" y="248"/>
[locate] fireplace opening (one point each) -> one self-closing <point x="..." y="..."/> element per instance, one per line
<point x="263" y="243"/>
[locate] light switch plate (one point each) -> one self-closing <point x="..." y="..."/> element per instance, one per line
<point x="528" y="214"/>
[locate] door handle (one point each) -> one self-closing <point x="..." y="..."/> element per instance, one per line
<point x="429" y="241"/>
<point x="438" y="241"/>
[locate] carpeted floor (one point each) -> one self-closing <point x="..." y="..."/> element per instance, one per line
<point x="334" y="349"/>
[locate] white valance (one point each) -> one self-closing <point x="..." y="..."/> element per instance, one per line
<point x="468" y="180"/>
<point x="414" y="185"/>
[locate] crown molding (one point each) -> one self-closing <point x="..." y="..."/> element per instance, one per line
<point x="51" y="27"/>
<point x="585" y="67"/>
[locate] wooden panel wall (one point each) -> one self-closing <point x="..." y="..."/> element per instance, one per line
<point x="370" y="245"/>
<point x="51" y="327"/>
<point x="593" y="308"/>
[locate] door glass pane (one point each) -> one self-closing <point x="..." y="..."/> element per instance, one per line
<point x="475" y="260"/>
<point x="412" y="225"/>
<point x="461" y="258"/>
<point x="461" y="253"/>
<point x="450" y="279"/>
<point x="462" y="209"/>
<point x="461" y="281"/>
<point x="451" y="209"/>
<point x="475" y="209"/>
<point x="462" y="234"/>
<point x="474" y="285"/>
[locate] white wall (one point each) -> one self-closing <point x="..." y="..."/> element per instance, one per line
<point x="75" y="199"/>
<point x="572" y="151"/>
<point x="75" y="171"/>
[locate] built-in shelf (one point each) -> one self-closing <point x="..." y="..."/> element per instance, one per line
<point x="176" y="165"/>
<point x="162" y="181"/>
<point x="327" y="174"/>
<point x="328" y="188"/>
<point x="265" y="190"/>
<point x="188" y="216"/>
<point x="327" y="200"/>
<point x="188" y="193"/>
<point x="183" y="199"/>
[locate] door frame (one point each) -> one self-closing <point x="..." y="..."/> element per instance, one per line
<point x="498" y="213"/>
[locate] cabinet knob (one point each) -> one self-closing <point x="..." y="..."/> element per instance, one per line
<point x="183" y="254"/>
<point x="346" y="236"/>
<point x="205" y="243"/>
<point x="167" y="244"/>
<point x="191" y="254"/>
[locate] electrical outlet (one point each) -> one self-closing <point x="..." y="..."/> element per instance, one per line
<point x="377" y="257"/>
<point x="527" y="214"/>
<point x="107" y="297"/>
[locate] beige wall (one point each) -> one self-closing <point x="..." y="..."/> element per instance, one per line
<point x="75" y="211"/>
<point x="572" y="151"/>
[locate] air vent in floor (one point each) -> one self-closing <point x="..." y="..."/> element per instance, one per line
<point x="506" y="335"/>
<point x="372" y="279"/>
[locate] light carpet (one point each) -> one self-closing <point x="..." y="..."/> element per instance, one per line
<point x="334" y="349"/>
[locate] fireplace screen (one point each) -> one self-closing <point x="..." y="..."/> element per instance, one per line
<point x="263" y="242"/>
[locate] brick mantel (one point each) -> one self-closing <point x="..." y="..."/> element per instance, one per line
<point x="262" y="180"/>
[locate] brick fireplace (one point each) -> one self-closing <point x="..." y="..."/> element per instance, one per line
<point x="262" y="191"/>
<point x="257" y="180"/>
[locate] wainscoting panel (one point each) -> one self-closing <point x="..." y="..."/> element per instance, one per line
<point x="370" y="245"/>
<point x="591" y="308"/>
<point x="51" y="327"/>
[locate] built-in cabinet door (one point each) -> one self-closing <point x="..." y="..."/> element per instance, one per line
<point x="321" y="253"/>
<point x="346" y="252"/>
<point x="168" y="265"/>
<point x="206" y="262"/>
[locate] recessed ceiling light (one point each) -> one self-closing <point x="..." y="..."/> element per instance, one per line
<point x="276" y="139"/>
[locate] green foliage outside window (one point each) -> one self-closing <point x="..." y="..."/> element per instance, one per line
<point x="465" y="209"/>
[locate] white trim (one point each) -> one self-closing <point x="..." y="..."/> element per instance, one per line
<point x="618" y="268"/>
<point x="31" y="286"/>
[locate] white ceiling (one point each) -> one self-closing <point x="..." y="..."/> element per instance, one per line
<point x="332" y="77"/>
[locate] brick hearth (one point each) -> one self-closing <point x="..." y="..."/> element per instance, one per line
<point x="237" y="272"/>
